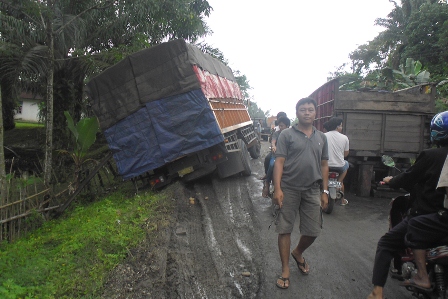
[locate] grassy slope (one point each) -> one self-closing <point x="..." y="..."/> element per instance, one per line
<point x="70" y="257"/>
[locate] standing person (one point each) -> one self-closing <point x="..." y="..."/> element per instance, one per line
<point x="422" y="227"/>
<point x="283" y="123"/>
<point x="280" y="114"/>
<point x="259" y="129"/>
<point x="267" y="159"/>
<point x="300" y="185"/>
<point x="338" y="149"/>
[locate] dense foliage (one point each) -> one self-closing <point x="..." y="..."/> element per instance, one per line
<point x="414" y="29"/>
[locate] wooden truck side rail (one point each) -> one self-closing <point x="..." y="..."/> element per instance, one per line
<point x="378" y="122"/>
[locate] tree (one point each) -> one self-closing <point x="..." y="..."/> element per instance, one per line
<point x="388" y="48"/>
<point x="2" y="156"/>
<point x="82" y="38"/>
<point x="416" y="29"/>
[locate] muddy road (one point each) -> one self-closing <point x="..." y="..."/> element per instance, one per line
<point x="222" y="247"/>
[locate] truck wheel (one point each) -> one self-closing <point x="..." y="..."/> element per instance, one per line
<point x="255" y="150"/>
<point x="245" y="159"/>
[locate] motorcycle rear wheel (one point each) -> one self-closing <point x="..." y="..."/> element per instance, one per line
<point x="330" y="205"/>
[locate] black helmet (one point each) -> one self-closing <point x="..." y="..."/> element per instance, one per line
<point x="439" y="127"/>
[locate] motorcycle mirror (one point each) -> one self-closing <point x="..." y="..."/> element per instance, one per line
<point x="388" y="161"/>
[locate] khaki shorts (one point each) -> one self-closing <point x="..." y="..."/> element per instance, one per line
<point x="307" y="203"/>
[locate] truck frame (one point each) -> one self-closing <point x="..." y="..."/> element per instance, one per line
<point x="378" y="123"/>
<point x="172" y="111"/>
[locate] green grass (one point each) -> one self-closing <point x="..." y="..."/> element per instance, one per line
<point x="24" y="125"/>
<point x="70" y="257"/>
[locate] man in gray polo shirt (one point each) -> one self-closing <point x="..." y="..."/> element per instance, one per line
<point x="300" y="175"/>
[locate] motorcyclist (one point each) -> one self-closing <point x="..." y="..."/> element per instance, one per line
<point x="422" y="228"/>
<point x="267" y="159"/>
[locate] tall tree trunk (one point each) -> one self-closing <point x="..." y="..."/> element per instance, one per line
<point x="2" y="159"/>
<point x="49" y="114"/>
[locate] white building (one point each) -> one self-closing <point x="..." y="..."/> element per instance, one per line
<point x="28" y="108"/>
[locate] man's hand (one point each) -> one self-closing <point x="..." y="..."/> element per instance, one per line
<point x="273" y="148"/>
<point x="278" y="197"/>
<point x="324" y="200"/>
<point x="387" y="179"/>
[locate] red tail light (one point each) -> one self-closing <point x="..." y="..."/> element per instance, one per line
<point x="156" y="181"/>
<point x="217" y="156"/>
<point x="333" y="175"/>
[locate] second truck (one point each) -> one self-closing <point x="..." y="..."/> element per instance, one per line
<point x="377" y="123"/>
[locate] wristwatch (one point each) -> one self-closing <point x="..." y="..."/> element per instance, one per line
<point x="326" y="192"/>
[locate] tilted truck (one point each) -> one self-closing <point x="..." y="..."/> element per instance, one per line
<point x="172" y="111"/>
<point x="265" y="129"/>
<point x="378" y="123"/>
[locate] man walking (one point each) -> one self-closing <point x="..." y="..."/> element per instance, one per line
<point x="300" y="185"/>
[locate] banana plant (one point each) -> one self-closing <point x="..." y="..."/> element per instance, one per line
<point x="411" y="74"/>
<point x="83" y="136"/>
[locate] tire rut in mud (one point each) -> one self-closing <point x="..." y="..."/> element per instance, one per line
<point x="215" y="243"/>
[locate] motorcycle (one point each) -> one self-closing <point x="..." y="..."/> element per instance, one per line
<point x="335" y="191"/>
<point x="404" y="266"/>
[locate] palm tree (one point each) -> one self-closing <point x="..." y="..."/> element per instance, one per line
<point x="60" y="27"/>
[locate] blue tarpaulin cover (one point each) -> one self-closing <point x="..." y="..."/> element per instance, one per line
<point x="161" y="132"/>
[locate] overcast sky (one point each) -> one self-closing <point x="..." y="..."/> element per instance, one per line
<point x="287" y="48"/>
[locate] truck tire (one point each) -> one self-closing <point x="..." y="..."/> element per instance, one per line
<point x="255" y="150"/>
<point x="245" y="159"/>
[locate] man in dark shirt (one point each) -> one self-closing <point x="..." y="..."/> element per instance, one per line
<point x="421" y="228"/>
<point x="300" y="175"/>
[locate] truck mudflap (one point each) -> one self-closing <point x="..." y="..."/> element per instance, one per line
<point x="238" y="161"/>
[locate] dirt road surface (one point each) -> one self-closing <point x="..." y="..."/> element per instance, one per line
<point x="222" y="247"/>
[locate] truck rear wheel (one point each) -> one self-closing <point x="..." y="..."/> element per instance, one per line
<point x="255" y="150"/>
<point x="245" y="159"/>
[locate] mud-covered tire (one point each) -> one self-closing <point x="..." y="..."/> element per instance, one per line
<point x="330" y="206"/>
<point x="255" y="150"/>
<point x="245" y="159"/>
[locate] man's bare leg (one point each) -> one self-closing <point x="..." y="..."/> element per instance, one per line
<point x="304" y="243"/>
<point x="284" y="243"/>
<point x="341" y="179"/>
<point x="377" y="293"/>
<point x="422" y="278"/>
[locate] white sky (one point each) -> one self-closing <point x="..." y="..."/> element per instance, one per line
<point x="287" y="48"/>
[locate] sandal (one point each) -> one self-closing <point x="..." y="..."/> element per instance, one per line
<point x="285" y="283"/>
<point x="302" y="266"/>
<point x="344" y="202"/>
